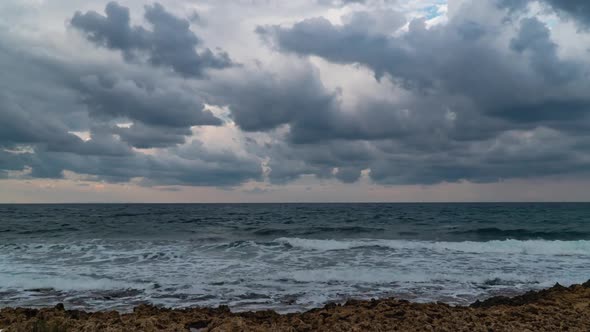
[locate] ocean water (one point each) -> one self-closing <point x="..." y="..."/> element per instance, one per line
<point x="287" y="257"/>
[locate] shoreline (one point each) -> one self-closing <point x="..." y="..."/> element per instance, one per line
<point x="552" y="309"/>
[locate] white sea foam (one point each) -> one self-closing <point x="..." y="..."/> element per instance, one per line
<point x="533" y="247"/>
<point x="63" y="283"/>
<point x="254" y="275"/>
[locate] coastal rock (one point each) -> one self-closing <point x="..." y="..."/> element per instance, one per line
<point x="555" y="309"/>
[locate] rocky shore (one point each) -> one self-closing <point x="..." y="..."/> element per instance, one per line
<point x="555" y="309"/>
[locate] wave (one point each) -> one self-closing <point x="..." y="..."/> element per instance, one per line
<point x="343" y="229"/>
<point x="107" y="274"/>
<point x="387" y="276"/>
<point x="303" y="231"/>
<point x="174" y="250"/>
<point x="269" y="231"/>
<point x="522" y="234"/>
<point x="32" y="281"/>
<point x="533" y="247"/>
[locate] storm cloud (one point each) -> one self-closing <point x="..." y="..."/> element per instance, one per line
<point x="462" y="60"/>
<point x="336" y="91"/>
<point x="88" y="117"/>
<point x="579" y="10"/>
<point x="470" y="88"/>
<point x="170" y="43"/>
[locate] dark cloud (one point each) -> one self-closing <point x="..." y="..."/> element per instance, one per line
<point x="512" y="154"/>
<point x="534" y="37"/>
<point x="260" y="100"/>
<point x="100" y="143"/>
<point x="12" y="161"/>
<point x="193" y="166"/>
<point x="288" y="162"/>
<point x="18" y="127"/>
<point x="475" y="102"/>
<point x="51" y="98"/>
<point x="317" y="36"/>
<point x="145" y="101"/>
<point x="461" y="60"/>
<point x="348" y="174"/>
<point x="579" y="10"/>
<point x="479" y="98"/>
<point x="34" y="108"/>
<point x="145" y="136"/>
<point x="47" y="101"/>
<point x="170" y="42"/>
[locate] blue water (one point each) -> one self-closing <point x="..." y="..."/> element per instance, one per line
<point x="286" y="257"/>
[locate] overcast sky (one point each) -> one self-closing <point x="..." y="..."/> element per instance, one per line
<point x="301" y="100"/>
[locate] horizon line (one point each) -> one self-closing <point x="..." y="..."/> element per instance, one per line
<point x="294" y="202"/>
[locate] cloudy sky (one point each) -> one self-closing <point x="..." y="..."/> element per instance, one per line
<point x="301" y="100"/>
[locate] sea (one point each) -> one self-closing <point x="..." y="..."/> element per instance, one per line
<point x="285" y="257"/>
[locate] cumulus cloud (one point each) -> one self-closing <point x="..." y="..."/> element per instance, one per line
<point x="460" y="59"/>
<point x="148" y="102"/>
<point x="144" y="136"/>
<point x="260" y="100"/>
<point x="62" y="113"/>
<point x="470" y="85"/>
<point x="579" y="10"/>
<point x="170" y="43"/>
<point x="476" y="97"/>
<point x="197" y="166"/>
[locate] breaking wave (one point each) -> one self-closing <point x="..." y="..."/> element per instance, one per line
<point x="533" y="247"/>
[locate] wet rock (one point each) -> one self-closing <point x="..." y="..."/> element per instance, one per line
<point x="39" y="290"/>
<point x="198" y="325"/>
<point x="558" y="308"/>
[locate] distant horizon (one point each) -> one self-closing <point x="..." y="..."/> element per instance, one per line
<point x="294" y="202"/>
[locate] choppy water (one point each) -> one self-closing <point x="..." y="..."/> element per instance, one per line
<point x="285" y="256"/>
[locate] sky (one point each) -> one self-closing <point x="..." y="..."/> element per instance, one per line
<point x="294" y="101"/>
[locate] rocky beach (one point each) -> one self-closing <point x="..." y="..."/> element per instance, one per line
<point x="557" y="308"/>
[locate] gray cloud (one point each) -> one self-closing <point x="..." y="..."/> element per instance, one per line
<point x="46" y="101"/>
<point x="512" y="154"/>
<point x="534" y="37"/>
<point x="44" y="98"/>
<point x="170" y="43"/>
<point x="260" y="100"/>
<point x="579" y="10"/>
<point x="12" y="161"/>
<point x="475" y="101"/>
<point x="145" y="101"/>
<point x="196" y="166"/>
<point x="460" y="60"/>
<point x="288" y="162"/>
<point x="145" y="136"/>
<point x="478" y="98"/>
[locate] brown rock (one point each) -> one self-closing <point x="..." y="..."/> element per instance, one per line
<point x="555" y="309"/>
